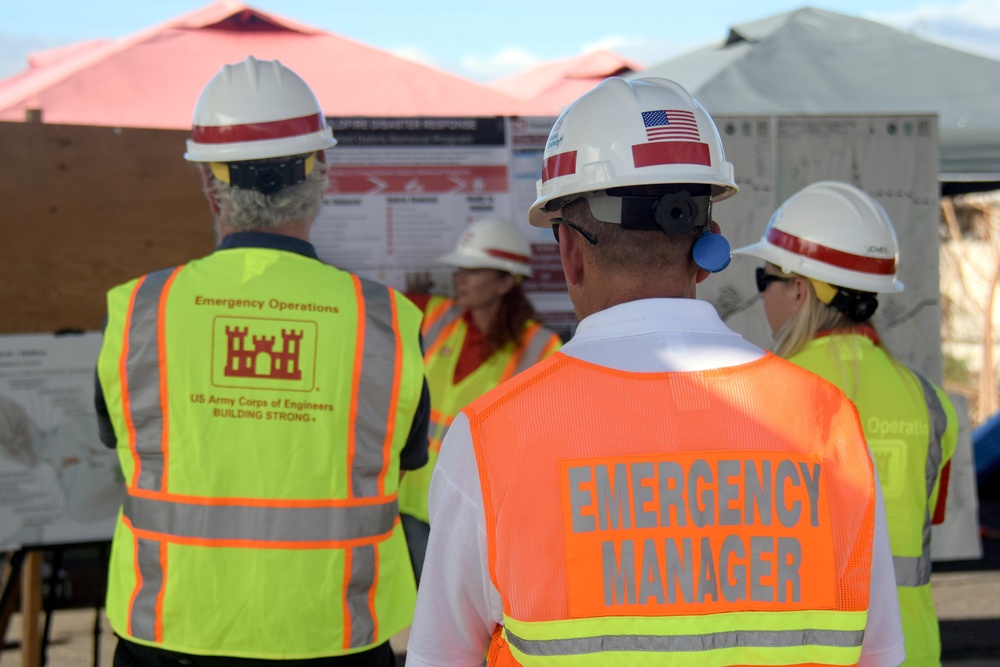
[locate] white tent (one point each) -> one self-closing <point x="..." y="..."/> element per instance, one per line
<point x="811" y="61"/>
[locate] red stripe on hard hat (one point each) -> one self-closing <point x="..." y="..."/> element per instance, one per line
<point x="275" y="129"/>
<point x="671" y="152"/>
<point x="503" y="254"/>
<point x="838" y="258"/>
<point x="563" y="164"/>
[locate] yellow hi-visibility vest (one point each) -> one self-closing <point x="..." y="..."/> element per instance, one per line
<point x="444" y="331"/>
<point x="912" y="430"/>
<point x="261" y="400"/>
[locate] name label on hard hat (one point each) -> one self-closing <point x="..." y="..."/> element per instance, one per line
<point x="690" y="534"/>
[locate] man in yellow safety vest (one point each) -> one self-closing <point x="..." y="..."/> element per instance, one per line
<point x="263" y="405"/>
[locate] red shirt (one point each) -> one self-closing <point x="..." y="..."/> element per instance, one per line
<point x="470" y="357"/>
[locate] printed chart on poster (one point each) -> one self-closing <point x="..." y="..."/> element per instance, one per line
<point x="58" y="483"/>
<point x="547" y="285"/>
<point x="403" y="189"/>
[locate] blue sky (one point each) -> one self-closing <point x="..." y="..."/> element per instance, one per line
<point x="483" y="39"/>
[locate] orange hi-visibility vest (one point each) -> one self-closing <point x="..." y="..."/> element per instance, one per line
<point x="725" y="517"/>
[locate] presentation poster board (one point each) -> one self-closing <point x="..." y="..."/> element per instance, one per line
<point x="402" y="190"/>
<point x="58" y="483"/>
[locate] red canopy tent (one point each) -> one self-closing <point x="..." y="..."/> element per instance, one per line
<point x="152" y="79"/>
<point x="549" y="87"/>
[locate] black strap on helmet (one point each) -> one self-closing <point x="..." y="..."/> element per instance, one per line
<point x="267" y="177"/>
<point x="675" y="211"/>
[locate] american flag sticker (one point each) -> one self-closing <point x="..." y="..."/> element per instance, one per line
<point x="670" y="126"/>
<point x="673" y="139"/>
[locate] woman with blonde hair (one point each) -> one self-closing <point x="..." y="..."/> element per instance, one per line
<point x="829" y="250"/>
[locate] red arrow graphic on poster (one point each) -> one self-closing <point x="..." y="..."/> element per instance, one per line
<point x="434" y="179"/>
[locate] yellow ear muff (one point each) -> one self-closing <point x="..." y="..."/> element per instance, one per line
<point x="220" y="170"/>
<point x="824" y="291"/>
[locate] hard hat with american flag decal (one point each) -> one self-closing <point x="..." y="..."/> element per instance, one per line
<point x="628" y="133"/>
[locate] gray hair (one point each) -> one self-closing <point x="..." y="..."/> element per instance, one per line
<point x="249" y="210"/>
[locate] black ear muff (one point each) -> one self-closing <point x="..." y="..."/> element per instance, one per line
<point x="267" y="178"/>
<point x="865" y="309"/>
<point x="676" y="213"/>
<point x="712" y="252"/>
<point x="859" y="306"/>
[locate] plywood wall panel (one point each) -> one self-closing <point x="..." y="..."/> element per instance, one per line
<point x="85" y="208"/>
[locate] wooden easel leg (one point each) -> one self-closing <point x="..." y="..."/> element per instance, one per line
<point x="10" y="597"/>
<point x="31" y="608"/>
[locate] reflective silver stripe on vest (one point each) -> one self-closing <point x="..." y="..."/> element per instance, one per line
<point x="434" y="332"/>
<point x="362" y="579"/>
<point x="263" y="524"/>
<point x="439" y="427"/>
<point x="142" y="366"/>
<point x="677" y="643"/>
<point x="375" y="389"/>
<point x="533" y="350"/>
<point x="375" y="392"/>
<point x="917" y="571"/>
<point x="142" y="616"/>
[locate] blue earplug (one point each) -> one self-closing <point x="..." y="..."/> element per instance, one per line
<point x="712" y="252"/>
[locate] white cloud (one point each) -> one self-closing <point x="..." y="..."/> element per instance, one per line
<point x="613" y="43"/>
<point x="970" y="25"/>
<point x="513" y="59"/>
<point x="642" y="50"/>
<point x="414" y="53"/>
<point x="508" y="60"/>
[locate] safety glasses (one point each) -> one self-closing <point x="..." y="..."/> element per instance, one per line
<point x="765" y="279"/>
<point x="583" y="232"/>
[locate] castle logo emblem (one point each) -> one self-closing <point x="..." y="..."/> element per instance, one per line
<point x="264" y="353"/>
<point x="242" y="361"/>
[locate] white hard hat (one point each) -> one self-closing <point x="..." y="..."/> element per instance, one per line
<point x="491" y="243"/>
<point x="256" y="109"/>
<point x="835" y="233"/>
<point x="630" y="133"/>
